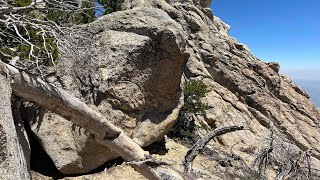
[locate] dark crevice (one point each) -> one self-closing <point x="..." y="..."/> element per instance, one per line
<point x="98" y="99"/>
<point x="158" y="147"/>
<point x="40" y="161"/>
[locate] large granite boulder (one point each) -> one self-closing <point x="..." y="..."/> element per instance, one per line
<point x="134" y="80"/>
<point x="140" y="55"/>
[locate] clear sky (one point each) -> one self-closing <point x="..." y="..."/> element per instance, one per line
<point x="285" y="31"/>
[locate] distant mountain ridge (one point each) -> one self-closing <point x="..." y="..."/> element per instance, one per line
<point x="312" y="87"/>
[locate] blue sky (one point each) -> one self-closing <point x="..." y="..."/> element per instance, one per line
<point x="98" y="12"/>
<point x="284" y="31"/>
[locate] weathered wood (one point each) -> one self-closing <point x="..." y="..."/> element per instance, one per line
<point x="34" y="89"/>
<point x="13" y="160"/>
<point x="201" y="143"/>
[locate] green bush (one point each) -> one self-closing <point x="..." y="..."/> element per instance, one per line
<point x="193" y="91"/>
<point x="185" y="126"/>
<point x="195" y="87"/>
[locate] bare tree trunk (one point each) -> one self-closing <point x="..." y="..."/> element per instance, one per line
<point x="33" y="89"/>
<point x="13" y="162"/>
<point x="201" y="143"/>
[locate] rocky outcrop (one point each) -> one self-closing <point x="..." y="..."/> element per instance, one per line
<point x="142" y="56"/>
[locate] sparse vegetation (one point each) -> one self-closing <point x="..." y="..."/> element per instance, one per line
<point x="193" y="91"/>
<point x="289" y="162"/>
<point x="185" y="126"/>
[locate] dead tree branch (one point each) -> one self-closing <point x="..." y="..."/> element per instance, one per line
<point x="13" y="161"/>
<point x="201" y="143"/>
<point x="31" y="33"/>
<point x="264" y="157"/>
<point x="33" y="89"/>
<point x="287" y="160"/>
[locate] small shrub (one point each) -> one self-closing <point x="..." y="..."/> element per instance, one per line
<point x="195" y="87"/>
<point x="185" y="126"/>
<point x="193" y="91"/>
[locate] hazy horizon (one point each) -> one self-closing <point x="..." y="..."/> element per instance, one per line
<point x="303" y="74"/>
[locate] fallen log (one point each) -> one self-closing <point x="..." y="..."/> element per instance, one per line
<point x="14" y="159"/>
<point x="34" y="89"/>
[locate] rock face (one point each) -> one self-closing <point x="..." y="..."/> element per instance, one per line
<point x="135" y="79"/>
<point x="14" y="149"/>
<point x="141" y="55"/>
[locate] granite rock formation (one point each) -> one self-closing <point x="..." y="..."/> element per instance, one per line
<point x="142" y="57"/>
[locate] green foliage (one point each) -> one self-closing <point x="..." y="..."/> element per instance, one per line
<point x="193" y="91"/>
<point x="22" y="3"/>
<point x="70" y="18"/>
<point x="195" y="87"/>
<point x="23" y="50"/>
<point x="110" y="5"/>
<point x="40" y="51"/>
<point x="8" y="51"/>
<point x="185" y="126"/>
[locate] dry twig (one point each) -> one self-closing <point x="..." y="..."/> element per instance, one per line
<point x="201" y="143"/>
<point x="17" y="23"/>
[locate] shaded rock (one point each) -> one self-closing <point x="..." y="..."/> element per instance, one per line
<point x="274" y="66"/>
<point x="205" y="3"/>
<point x="114" y="173"/>
<point x="243" y="47"/>
<point x="71" y="148"/>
